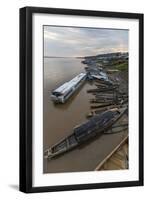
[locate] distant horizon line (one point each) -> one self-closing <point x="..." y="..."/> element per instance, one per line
<point x="83" y="56"/>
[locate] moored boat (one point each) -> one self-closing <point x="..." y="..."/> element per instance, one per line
<point x="95" y="126"/>
<point x="62" y="93"/>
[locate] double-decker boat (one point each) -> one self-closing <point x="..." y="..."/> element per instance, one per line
<point x="62" y="93"/>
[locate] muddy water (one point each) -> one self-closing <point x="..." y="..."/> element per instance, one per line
<point x="59" y="120"/>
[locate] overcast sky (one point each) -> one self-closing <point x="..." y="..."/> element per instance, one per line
<point x="70" y="41"/>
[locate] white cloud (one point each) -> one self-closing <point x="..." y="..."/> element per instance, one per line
<point x="67" y="41"/>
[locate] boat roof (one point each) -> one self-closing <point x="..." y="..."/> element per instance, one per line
<point x="68" y="85"/>
<point x="103" y="74"/>
<point x="98" y="120"/>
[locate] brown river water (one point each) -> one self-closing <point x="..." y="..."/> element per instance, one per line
<point x="59" y="120"/>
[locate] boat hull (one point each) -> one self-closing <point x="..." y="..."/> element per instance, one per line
<point x="96" y="126"/>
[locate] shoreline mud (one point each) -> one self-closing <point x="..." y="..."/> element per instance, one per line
<point x="111" y="93"/>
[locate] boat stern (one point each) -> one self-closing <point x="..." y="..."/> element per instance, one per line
<point x="56" y="99"/>
<point x="48" y="154"/>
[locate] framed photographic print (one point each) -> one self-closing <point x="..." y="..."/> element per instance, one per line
<point x="81" y="99"/>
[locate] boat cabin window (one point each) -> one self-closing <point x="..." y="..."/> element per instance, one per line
<point x="57" y="94"/>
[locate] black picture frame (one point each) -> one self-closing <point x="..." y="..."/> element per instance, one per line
<point x="26" y="73"/>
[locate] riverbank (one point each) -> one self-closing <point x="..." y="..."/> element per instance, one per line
<point x="115" y="66"/>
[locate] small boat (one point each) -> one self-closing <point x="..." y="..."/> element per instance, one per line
<point x="96" y="125"/>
